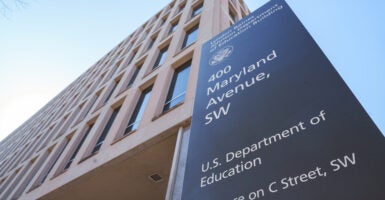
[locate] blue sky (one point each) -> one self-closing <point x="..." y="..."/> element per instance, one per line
<point x="47" y="44"/>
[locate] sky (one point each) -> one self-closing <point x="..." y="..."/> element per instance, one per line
<point x="45" y="45"/>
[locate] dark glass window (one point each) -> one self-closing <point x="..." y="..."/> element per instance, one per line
<point x="93" y="101"/>
<point x="191" y="36"/>
<point x="197" y="10"/>
<point x="181" y="7"/>
<point x="161" y="57"/>
<point x="138" y="112"/>
<point x="111" y="91"/>
<point x="69" y="162"/>
<point x="144" y="36"/>
<point x="177" y="91"/>
<point x="173" y="28"/>
<point x="53" y="164"/>
<point x="134" y="75"/>
<point x="233" y="17"/>
<point x="152" y="41"/>
<point x="132" y="58"/>
<point x="106" y="129"/>
<point x="115" y="68"/>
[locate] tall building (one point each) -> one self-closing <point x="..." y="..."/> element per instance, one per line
<point x="119" y="130"/>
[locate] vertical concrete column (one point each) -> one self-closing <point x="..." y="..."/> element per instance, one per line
<point x="174" y="165"/>
<point x="175" y="183"/>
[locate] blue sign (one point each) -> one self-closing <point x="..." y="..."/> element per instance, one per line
<point x="274" y="120"/>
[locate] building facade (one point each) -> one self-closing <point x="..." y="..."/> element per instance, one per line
<point x="120" y="130"/>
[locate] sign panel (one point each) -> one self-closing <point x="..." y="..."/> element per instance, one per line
<point x="274" y="120"/>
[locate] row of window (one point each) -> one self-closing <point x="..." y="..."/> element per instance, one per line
<point x="190" y="37"/>
<point x="145" y="29"/>
<point x="176" y="96"/>
<point x="139" y="35"/>
<point x="196" y="10"/>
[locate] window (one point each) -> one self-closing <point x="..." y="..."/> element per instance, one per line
<point x="134" y="75"/>
<point x="106" y="129"/>
<point x="86" y="90"/>
<point x="111" y="91"/>
<point x="132" y="57"/>
<point x="107" y="60"/>
<point x="102" y="77"/>
<point x="9" y="180"/>
<point x="160" y="23"/>
<point x="138" y="112"/>
<point x="91" y="104"/>
<point x="12" y="185"/>
<point x="164" y="19"/>
<point x="180" y="8"/>
<point x="233" y="15"/>
<point x="68" y="120"/>
<point x="197" y="10"/>
<point x="34" y="166"/>
<point x="144" y="36"/>
<point x="243" y="14"/>
<point x="2" y="180"/>
<point x="114" y="69"/>
<point x="152" y="41"/>
<point x="162" y="55"/>
<point x="54" y="162"/>
<point x="191" y="36"/>
<point x="177" y="91"/>
<point x="119" y="52"/>
<point x="69" y="162"/>
<point x="173" y="27"/>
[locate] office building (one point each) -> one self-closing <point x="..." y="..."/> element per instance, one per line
<point x="119" y="130"/>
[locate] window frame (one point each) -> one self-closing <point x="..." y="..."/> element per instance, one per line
<point x="162" y="54"/>
<point x="134" y="76"/>
<point x="187" y="34"/>
<point x="170" y="94"/>
<point x="67" y="164"/>
<point x="102" y="137"/>
<point x="142" y="101"/>
<point x="173" y="27"/>
<point x="197" y="9"/>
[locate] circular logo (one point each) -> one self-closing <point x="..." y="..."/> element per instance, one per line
<point x="220" y="55"/>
